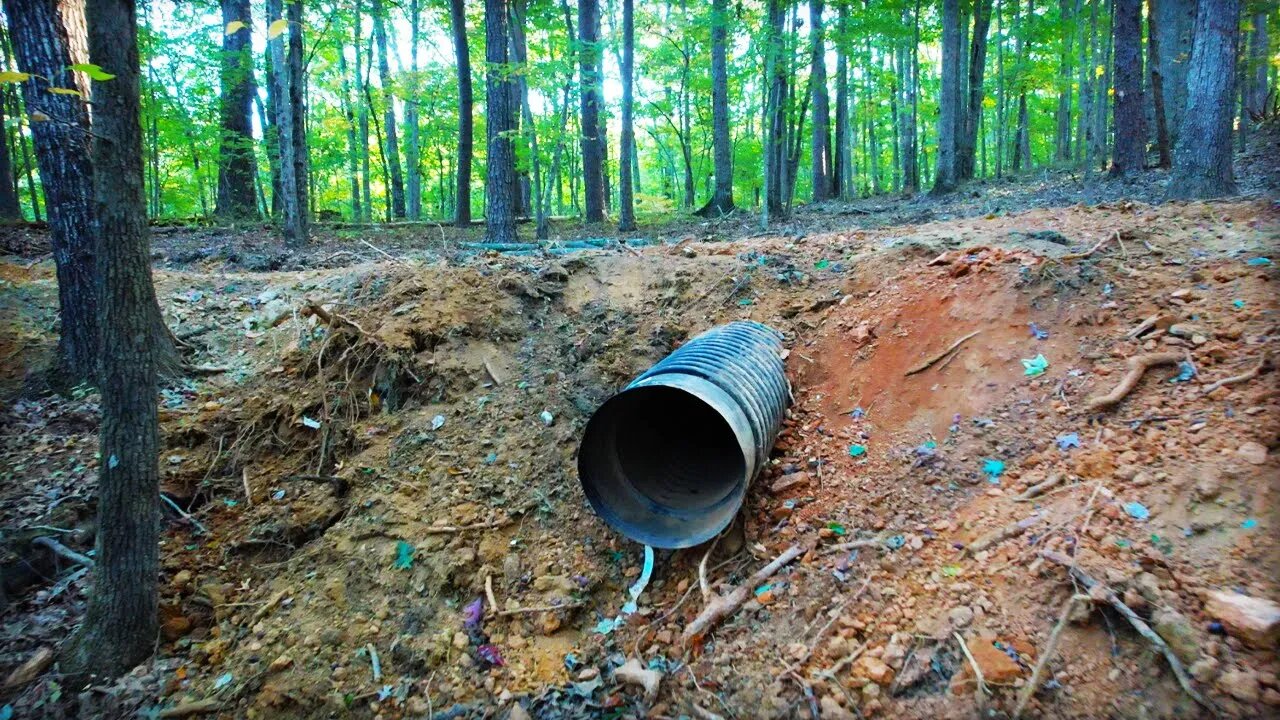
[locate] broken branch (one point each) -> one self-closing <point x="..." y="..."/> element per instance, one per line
<point x="1138" y="365"/>
<point x="980" y="694"/>
<point x="63" y="551"/>
<point x="722" y="606"/>
<point x="1045" y="655"/>
<point x="1264" y="363"/>
<point x="929" y="363"/>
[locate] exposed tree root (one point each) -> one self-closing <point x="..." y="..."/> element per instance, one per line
<point x="722" y="606"/>
<point x="63" y="551"/>
<point x="929" y="363"/>
<point x="1263" y="364"/>
<point x="1138" y="365"/>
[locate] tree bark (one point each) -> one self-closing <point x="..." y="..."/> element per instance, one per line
<point x="392" y="149"/>
<point x="466" y="111"/>
<point x="1259" y="52"/>
<point x="353" y="148"/>
<point x="589" y="80"/>
<point x="1202" y="156"/>
<point x="413" y="150"/>
<point x="10" y="208"/>
<point x="122" y="620"/>
<point x="968" y="142"/>
<point x="820" y="145"/>
<point x="945" y="178"/>
<point x="236" y="166"/>
<point x="1175" y="26"/>
<point x="842" y="170"/>
<point x="1128" y="152"/>
<point x="500" y="186"/>
<point x="626" y="198"/>
<point x="529" y="129"/>
<point x="297" y="93"/>
<point x="1062" y="135"/>
<point x="1155" y="65"/>
<point x="910" y="153"/>
<point x="722" y="146"/>
<point x="292" y="186"/>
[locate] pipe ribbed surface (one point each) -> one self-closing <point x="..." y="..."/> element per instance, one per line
<point x="667" y="460"/>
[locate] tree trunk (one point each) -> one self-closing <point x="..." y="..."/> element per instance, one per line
<point x="121" y="622"/>
<point x="842" y="170"/>
<point x="945" y="178"/>
<point x="910" y="152"/>
<point x="626" y="199"/>
<point x="722" y="145"/>
<point x="1155" y="66"/>
<point x="820" y="146"/>
<point x="297" y="93"/>
<point x="236" y="166"/>
<point x="1128" y="152"/>
<point x="412" y="150"/>
<point x="466" y="105"/>
<point x="10" y="208"/>
<point x="530" y="129"/>
<point x="1259" y="51"/>
<point x="392" y="149"/>
<point x="1022" y="139"/>
<point x="1175" y="24"/>
<point x="1202" y="156"/>
<point x="1062" y="135"/>
<point x="968" y="142"/>
<point x="589" y="79"/>
<point x="770" y="125"/>
<point x="291" y="183"/>
<point x="500" y="185"/>
<point x="353" y="149"/>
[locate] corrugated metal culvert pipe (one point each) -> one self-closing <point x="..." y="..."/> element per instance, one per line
<point x="667" y="460"/>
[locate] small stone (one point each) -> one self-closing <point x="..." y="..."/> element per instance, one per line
<point x="518" y="713"/>
<point x="460" y="640"/>
<point x="1177" y="631"/>
<point x="1241" y="685"/>
<point x="590" y="673"/>
<point x="787" y="482"/>
<point x="831" y="709"/>
<point x="182" y="579"/>
<point x="1254" y="620"/>
<point x="875" y="670"/>
<point x="1205" y="669"/>
<point x="1271" y="697"/>
<point x="1207" y="487"/>
<point x="280" y="663"/>
<point x="996" y="666"/>
<point x="175" y="627"/>
<point x="1252" y="453"/>
<point x="960" y="616"/>
<point x="549" y="622"/>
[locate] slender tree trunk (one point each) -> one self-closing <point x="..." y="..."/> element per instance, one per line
<point x="466" y="104"/>
<point x="842" y="175"/>
<point x="520" y="47"/>
<point x="910" y="151"/>
<point x="1202" y="157"/>
<point x="500" y="186"/>
<point x="10" y="208"/>
<point x="1022" y="151"/>
<point x="122" y="619"/>
<point x="1155" y="65"/>
<point x="1259" y="52"/>
<point x="392" y="149"/>
<point x="520" y="86"/>
<point x="1128" y="153"/>
<point x="626" y="199"/>
<point x="968" y="142"/>
<point x="236" y="166"/>
<point x="1062" y="135"/>
<point x="297" y="95"/>
<point x="770" y="124"/>
<point x="413" y="151"/>
<point x="945" y="179"/>
<point x="589" y="80"/>
<point x="353" y="149"/>
<point x="290" y="182"/>
<point x="721" y="202"/>
<point x="820" y="147"/>
<point x="1002" y="104"/>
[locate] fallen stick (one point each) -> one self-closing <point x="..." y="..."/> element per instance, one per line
<point x="722" y="606"/>
<point x="375" y="663"/>
<point x="39" y="661"/>
<point x="185" y="515"/>
<point x="852" y="545"/>
<point x="1092" y="250"/>
<point x="1045" y="655"/>
<point x="244" y="477"/>
<point x="980" y="693"/>
<point x="199" y="707"/>
<point x="493" y="603"/>
<point x="1138" y="365"/>
<point x="1090" y="583"/>
<point x="1008" y="532"/>
<point x="1264" y="363"/>
<point x="63" y="551"/>
<point x="1040" y="488"/>
<point x="929" y="363"/>
<point x="442" y="529"/>
<point x="1148" y="324"/>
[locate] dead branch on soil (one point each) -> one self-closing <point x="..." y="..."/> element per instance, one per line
<point x="1008" y="532"/>
<point x="1138" y="365"/>
<point x="979" y="693"/>
<point x="493" y="603"/>
<point x="63" y="551"/>
<point x="1151" y="322"/>
<point x="1263" y="364"/>
<point x="334" y="320"/>
<point x="446" y="529"/>
<point x="1045" y="656"/>
<point x="1081" y="255"/>
<point x="1090" y="583"/>
<point x="852" y="545"/>
<point x="185" y="515"/>
<point x="39" y="661"/>
<point x="929" y="363"/>
<point x="198" y="707"/>
<point x="722" y="606"/>
<point x="1040" y="488"/>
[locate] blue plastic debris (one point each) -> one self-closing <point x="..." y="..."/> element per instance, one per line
<point x="1259" y="261"/>
<point x="927" y="448"/>
<point x="857" y="450"/>
<point x="1137" y="510"/>
<point x="1186" y="371"/>
<point x="895" y="542"/>
<point x="1237" y="304"/>
<point x="858" y="413"/>
<point x="437" y="422"/>
<point x="1038" y="332"/>
<point x="1068" y="441"/>
<point x="1035" y="366"/>
<point x="1106" y="289"/>
<point x="1249" y="524"/>
<point x="993" y="469"/>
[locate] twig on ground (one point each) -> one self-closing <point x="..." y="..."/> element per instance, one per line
<point x="929" y="363"/>
<point x="185" y="515"/>
<point x="444" y="529"/>
<point x="1045" y="656"/>
<point x="1148" y="324"/>
<point x="1264" y="363"/>
<point x="1092" y="250"/>
<point x="493" y="603"/>
<point x="1040" y="488"/>
<point x="63" y="551"/>
<point x="384" y="253"/>
<point x="822" y="631"/>
<point x="375" y="663"/>
<point x="1090" y="583"/>
<point x="722" y="606"/>
<point x="198" y="707"/>
<point x="852" y="545"/>
<point x="979" y="693"/>
<point x="244" y="478"/>
<point x="1138" y="366"/>
<point x="703" y="583"/>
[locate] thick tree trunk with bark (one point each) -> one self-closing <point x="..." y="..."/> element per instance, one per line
<point x="1174" y="22"/>
<point x="721" y="202"/>
<point x="466" y="111"/>
<point x="945" y="178"/>
<point x="968" y="141"/>
<point x="1259" y="52"/>
<point x="236" y="166"/>
<point x="626" y="193"/>
<point x="1128" y="152"/>
<point x="122" y="620"/>
<point x="910" y="154"/>
<point x="292" y="186"/>
<point x="297" y="95"/>
<point x="500" y="185"/>
<point x="529" y="129"/>
<point x="392" y="149"/>
<point x="589" y="79"/>
<point x="1155" y="66"/>
<point x="1202" y="156"/>
<point x="820" y="145"/>
<point x="1062" y="136"/>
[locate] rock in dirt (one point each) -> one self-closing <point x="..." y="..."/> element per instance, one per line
<point x="874" y="670"/>
<point x="960" y="616"/>
<point x="29" y="670"/>
<point x="831" y="710"/>
<point x="786" y="482"/>
<point x="1252" y="453"/>
<point x="996" y="666"/>
<point x="1177" y="631"/>
<point x="1205" y="669"/>
<point x="518" y="713"/>
<point x="632" y="673"/>
<point x="1241" y="685"/>
<point x="1256" y="621"/>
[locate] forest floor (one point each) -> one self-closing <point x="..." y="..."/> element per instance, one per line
<point x="391" y="438"/>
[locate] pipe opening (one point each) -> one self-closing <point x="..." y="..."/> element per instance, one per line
<point x="662" y="465"/>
